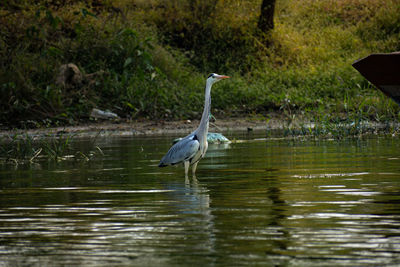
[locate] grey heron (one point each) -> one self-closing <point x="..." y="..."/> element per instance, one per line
<point x="193" y="147"/>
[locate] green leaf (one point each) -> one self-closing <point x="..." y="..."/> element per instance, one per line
<point x="129" y="105"/>
<point x="128" y="61"/>
<point x="85" y="13"/>
<point x="54" y="51"/>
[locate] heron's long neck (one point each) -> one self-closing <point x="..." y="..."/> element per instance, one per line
<point x="202" y="130"/>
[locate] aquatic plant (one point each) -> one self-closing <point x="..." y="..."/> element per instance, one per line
<point x="25" y="149"/>
<point x="16" y="149"/>
<point x="352" y="127"/>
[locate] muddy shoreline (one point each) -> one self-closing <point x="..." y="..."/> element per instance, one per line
<point x="153" y="128"/>
<point x="183" y="127"/>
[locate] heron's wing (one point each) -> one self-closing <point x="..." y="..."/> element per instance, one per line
<point x="183" y="150"/>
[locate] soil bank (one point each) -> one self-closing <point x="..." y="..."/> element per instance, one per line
<point x="140" y="128"/>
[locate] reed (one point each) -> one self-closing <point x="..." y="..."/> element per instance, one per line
<point x="25" y="149"/>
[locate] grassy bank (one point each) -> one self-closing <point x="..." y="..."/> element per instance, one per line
<point x="148" y="59"/>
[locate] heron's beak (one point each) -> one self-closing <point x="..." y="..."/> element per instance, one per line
<point x="223" y="77"/>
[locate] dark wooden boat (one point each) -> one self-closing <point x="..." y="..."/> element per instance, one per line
<point x="383" y="71"/>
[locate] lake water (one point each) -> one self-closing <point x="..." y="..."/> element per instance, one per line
<point x="263" y="202"/>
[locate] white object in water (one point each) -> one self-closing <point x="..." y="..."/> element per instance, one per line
<point x="106" y="115"/>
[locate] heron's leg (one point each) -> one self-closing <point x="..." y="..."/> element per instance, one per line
<point x="187" y="184"/>
<point x="195" y="182"/>
<point x="194" y="167"/>
<point x="186" y="163"/>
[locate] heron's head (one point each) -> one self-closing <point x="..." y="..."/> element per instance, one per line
<point x="213" y="78"/>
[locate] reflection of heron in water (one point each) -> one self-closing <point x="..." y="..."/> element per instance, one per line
<point x="193" y="147"/>
<point x="191" y="197"/>
<point x="190" y="206"/>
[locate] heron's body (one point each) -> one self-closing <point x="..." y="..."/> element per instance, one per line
<point x="188" y="150"/>
<point x="193" y="147"/>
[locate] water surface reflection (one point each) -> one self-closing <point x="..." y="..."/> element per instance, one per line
<point x="258" y="202"/>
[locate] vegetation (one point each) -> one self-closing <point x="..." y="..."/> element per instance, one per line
<point x="148" y="59"/>
<point x="25" y="149"/>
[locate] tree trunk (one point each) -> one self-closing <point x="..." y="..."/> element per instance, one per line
<point x="266" y="20"/>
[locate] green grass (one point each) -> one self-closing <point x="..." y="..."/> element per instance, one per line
<point x="151" y="59"/>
